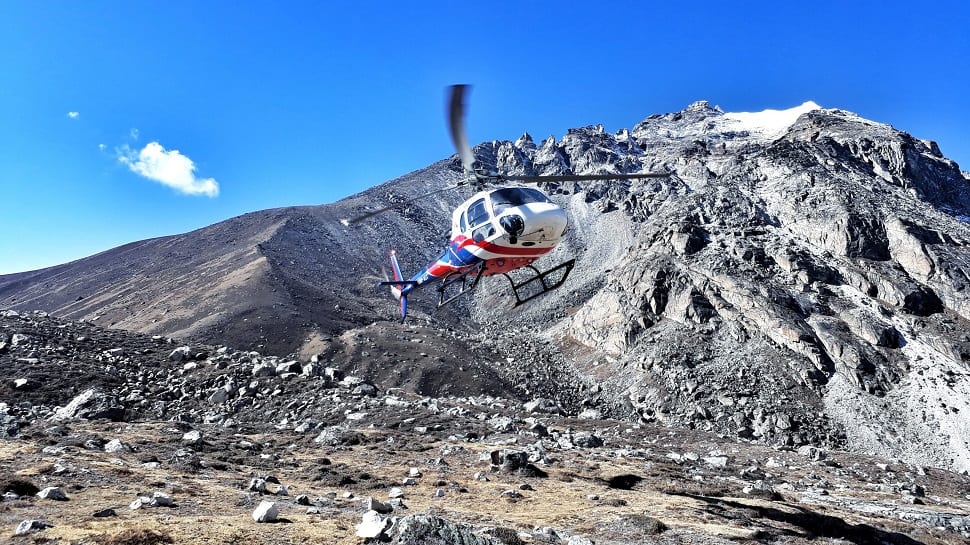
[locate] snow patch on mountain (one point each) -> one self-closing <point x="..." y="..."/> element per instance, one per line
<point x="768" y="123"/>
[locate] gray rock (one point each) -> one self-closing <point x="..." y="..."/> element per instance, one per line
<point x="266" y="511"/>
<point x="291" y="366"/>
<point x="180" y="354"/>
<point x="258" y="485"/>
<point x="32" y="525"/>
<point x="90" y="404"/>
<point x="373" y="504"/>
<point x="192" y="437"/>
<point x="264" y="369"/>
<point x="432" y="530"/>
<point x="160" y="499"/>
<point x="115" y="446"/>
<point x="541" y="405"/>
<point x="52" y="493"/>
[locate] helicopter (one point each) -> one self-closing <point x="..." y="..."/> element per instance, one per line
<point x="495" y="231"/>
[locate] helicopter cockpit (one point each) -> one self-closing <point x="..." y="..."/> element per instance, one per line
<point x="476" y="219"/>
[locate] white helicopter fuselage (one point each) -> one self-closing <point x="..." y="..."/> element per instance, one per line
<point x="508" y="227"/>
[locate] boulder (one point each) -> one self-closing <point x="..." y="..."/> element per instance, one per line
<point x="266" y="511"/>
<point x="32" y="525"/>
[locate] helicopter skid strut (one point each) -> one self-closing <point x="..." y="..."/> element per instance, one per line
<point x="535" y="290"/>
<point x="465" y="287"/>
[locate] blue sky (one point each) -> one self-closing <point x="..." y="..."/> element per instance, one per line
<point x="242" y="106"/>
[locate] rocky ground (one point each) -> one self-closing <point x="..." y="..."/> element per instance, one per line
<point x="119" y="438"/>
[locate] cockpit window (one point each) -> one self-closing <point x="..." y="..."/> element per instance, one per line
<point x="515" y="196"/>
<point x="477" y="213"/>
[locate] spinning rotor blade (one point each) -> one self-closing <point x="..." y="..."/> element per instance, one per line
<point x="577" y="177"/>
<point x="456" y="123"/>
<point x="402" y="204"/>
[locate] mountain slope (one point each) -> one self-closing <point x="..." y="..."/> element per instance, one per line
<point x="800" y="278"/>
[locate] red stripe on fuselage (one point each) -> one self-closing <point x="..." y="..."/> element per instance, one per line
<point x="464" y="242"/>
<point x="438" y="269"/>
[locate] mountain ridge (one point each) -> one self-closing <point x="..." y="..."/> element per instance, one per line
<point x="804" y="289"/>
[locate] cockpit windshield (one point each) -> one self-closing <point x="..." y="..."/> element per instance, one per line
<point x="514" y="196"/>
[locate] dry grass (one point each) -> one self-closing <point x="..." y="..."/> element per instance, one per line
<point x="213" y="506"/>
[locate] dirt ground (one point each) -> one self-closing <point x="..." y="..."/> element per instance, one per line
<point x="612" y="494"/>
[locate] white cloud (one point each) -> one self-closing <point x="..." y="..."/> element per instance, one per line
<point x="133" y="133"/>
<point x="73" y="115"/>
<point x="170" y="168"/>
<point x="101" y="147"/>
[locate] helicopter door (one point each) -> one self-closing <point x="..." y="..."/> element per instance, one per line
<point x="478" y="221"/>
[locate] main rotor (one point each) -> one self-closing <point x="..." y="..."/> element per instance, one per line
<point x="478" y="177"/>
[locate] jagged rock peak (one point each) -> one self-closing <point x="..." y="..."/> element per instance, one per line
<point x="525" y="142"/>
<point x="703" y="106"/>
<point x="588" y="130"/>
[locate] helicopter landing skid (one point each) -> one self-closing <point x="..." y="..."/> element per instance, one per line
<point x="531" y="289"/>
<point x="466" y="284"/>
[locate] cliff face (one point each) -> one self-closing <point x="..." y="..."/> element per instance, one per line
<point x="800" y="278"/>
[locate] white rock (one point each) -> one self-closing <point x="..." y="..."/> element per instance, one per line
<point x="266" y="511"/>
<point x="160" y="499"/>
<point x="115" y="446"/>
<point x="716" y="461"/>
<point x="52" y="493"/>
<point x="31" y="525"/>
<point x="372" y="525"/>
<point x="179" y="354"/>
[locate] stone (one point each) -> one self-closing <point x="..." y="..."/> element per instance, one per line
<point x="258" y="485"/>
<point x="716" y="461"/>
<point x="425" y="529"/>
<point x="192" y="437"/>
<point x="395" y="493"/>
<point x="374" y="504"/>
<point x="266" y="511"/>
<point x="90" y="404"/>
<point x="541" y="405"/>
<point x="160" y="499"/>
<point x="32" y="525"/>
<point x="52" y="493"/>
<point x="180" y="354"/>
<point x="372" y="525"/>
<point x="115" y="446"/>
<point x="264" y="369"/>
<point x="814" y="453"/>
<point x="104" y="513"/>
<point x="291" y="366"/>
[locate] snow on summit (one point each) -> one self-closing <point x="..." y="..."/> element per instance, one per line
<point x="768" y="123"/>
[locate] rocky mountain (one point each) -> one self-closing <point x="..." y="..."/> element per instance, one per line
<point x="800" y="278"/>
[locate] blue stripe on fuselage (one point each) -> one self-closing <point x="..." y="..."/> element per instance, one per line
<point x="454" y="258"/>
